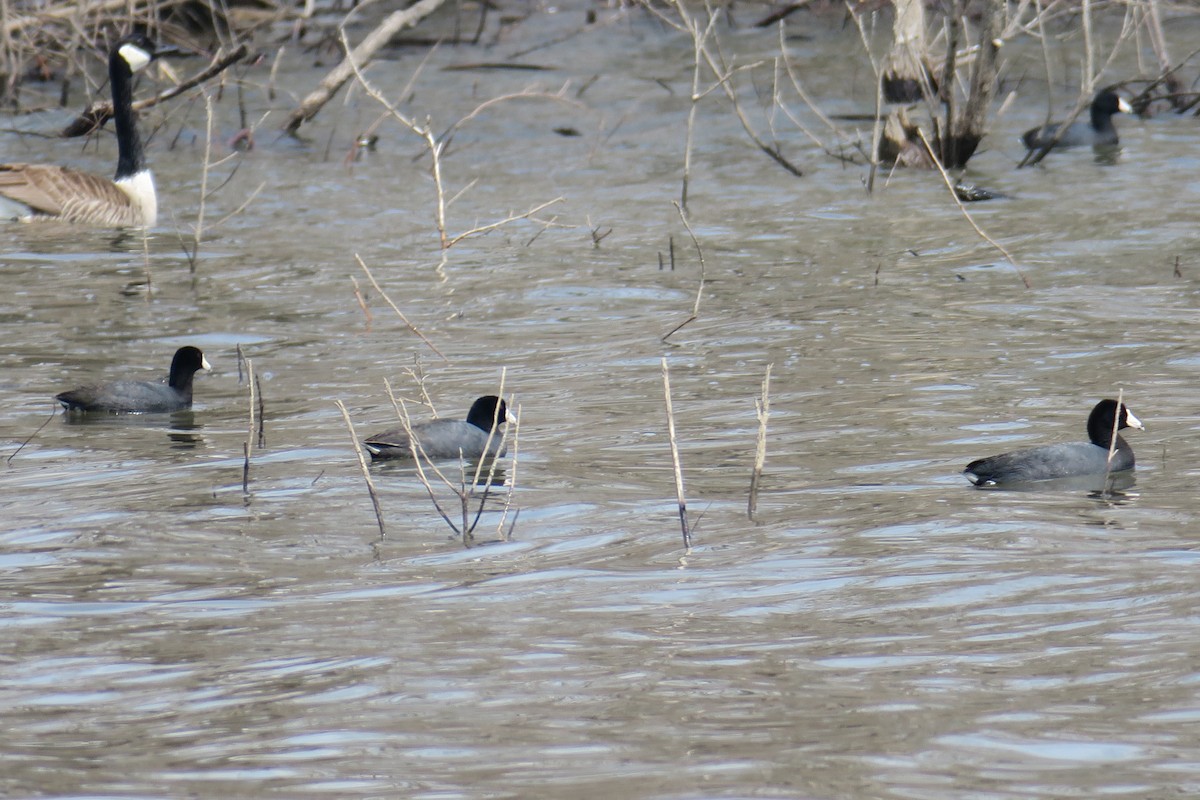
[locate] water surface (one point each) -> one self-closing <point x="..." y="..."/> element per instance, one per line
<point x="880" y="630"/>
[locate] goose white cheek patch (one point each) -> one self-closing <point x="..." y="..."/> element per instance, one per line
<point x="134" y="56"/>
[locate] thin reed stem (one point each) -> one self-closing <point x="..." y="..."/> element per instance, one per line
<point x="679" y="495"/>
<point x="953" y="194"/>
<point x="762" y="409"/>
<point x="396" y="308"/>
<point x="362" y="465"/>
<point x="699" y="288"/>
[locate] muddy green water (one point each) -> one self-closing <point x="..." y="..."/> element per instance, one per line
<point x="881" y="631"/>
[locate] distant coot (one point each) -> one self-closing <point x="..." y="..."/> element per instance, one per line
<point x="447" y="438"/>
<point x="1063" y="460"/>
<point x="127" y="397"/>
<point x="1098" y="131"/>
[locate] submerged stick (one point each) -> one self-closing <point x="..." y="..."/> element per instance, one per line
<point x="762" y="409"/>
<point x="262" y="416"/>
<point x="683" y="519"/>
<point x="362" y="464"/>
<point x="31" y="436"/>
<point x="246" y="446"/>
<point x="246" y="470"/>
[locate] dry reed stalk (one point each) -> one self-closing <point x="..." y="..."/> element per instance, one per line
<point x="877" y="125"/>
<point x="491" y="476"/>
<point x="714" y="58"/>
<point x="950" y="187"/>
<point x="274" y="73"/>
<point x="418" y="452"/>
<point x="491" y="226"/>
<point x="700" y="288"/>
<point x="417" y="373"/>
<point x="415" y="445"/>
<point x="145" y="234"/>
<point x="337" y="77"/>
<point x="436" y="147"/>
<point x="462" y="492"/>
<point x="512" y="480"/>
<point x="245" y="203"/>
<point x="362" y="465"/>
<point x="358" y="295"/>
<point x="698" y="40"/>
<point x="679" y="496"/>
<point x="424" y="131"/>
<point x="762" y="410"/>
<point x="396" y="308"/>
<point x="786" y="60"/>
<point x="198" y="228"/>
<point x="491" y="434"/>
<point x="1112" y="439"/>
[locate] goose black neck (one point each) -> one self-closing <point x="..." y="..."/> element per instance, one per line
<point x="130" y="157"/>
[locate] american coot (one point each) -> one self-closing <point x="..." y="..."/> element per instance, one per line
<point x="1096" y="132"/>
<point x="33" y="191"/>
<point x="1063" y="460"/>
<point x="447" y="438"/>
<point x="127" y="397"/>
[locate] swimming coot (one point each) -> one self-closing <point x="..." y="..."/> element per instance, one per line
<point x="127" y="397"/>
<point x="1063" y="460"/>
<point x="447" y="438"/>
<point x="1098" y="131"/>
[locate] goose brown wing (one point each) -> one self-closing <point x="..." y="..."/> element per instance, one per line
<point x="66" y="193"/>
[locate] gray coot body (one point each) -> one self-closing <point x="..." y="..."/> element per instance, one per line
<point x="447" y="438"/>
<point x="130" y="397"/>
<point x="1062" y="460"/>
<point x="1097" y="131"/>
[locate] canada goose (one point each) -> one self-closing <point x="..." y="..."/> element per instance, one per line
<point x="48" y="191"/>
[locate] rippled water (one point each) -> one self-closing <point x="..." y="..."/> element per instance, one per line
<point x="881" y="630"/>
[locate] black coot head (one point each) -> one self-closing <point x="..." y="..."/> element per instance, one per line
<point x="1100" y="421"/>
<point x="186" y="363"/>
<point x="484" y="412"/>
<point x="1108" y="102"/>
